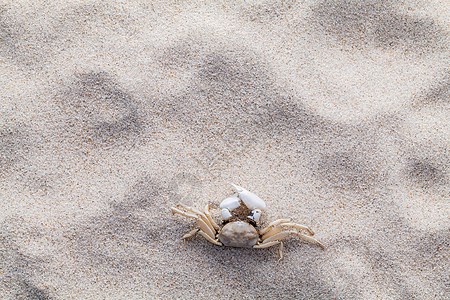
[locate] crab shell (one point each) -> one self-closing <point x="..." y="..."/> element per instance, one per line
<point x="238" y="234"/>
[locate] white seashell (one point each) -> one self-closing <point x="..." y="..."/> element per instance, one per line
<point x="255" y="215"/>
<point x="226" y="214"/>
<point x="250" y="200"/>
<point x="231" y="202"/>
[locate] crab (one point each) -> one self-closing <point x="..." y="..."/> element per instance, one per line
<point x="240" y="227"/>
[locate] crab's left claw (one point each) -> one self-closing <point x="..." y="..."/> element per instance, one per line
<point x="228" y="205"/>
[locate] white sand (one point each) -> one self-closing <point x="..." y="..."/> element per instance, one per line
<point x="334" y="112"/>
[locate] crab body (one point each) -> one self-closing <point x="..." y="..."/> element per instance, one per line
<point x="238" y="234"/>
<point x="240" y="228"/>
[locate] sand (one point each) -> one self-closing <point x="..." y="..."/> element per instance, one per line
<point x="334" y="112"/>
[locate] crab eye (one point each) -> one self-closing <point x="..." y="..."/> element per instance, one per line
<point x="255" y="215"/>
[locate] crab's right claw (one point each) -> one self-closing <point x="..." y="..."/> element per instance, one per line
<point x="250" y="200"/>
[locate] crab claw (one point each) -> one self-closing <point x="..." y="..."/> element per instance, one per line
<point x="226" y="214"/>
<point x="250" y="200"/>
<point x="231" y="202"/>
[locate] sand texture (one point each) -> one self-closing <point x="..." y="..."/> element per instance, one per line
<point x="336" y="113"/>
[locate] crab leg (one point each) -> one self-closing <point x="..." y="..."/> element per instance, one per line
<point x="200" y="218"/>
<point x="177" y="211"/>
<point x="274" y="223"/>
<point x="211" y="220"/>
<point x="298" y="226"/>
<point x="271" y="232"/>
<point x="275" y="235"/>
<point x="191" y="209"/>
<point x="282" y="234"/>
<point x="266" y="245"/>
<point x="197" y="212"/>
<point x="279" y="236"/>
<point x="190" y="234"/>
<point x="209" y="239"/>
<point x="270" y="244"/>
<point x="310" y="239"/>
<point x="280" y="251"/>
<point x="206" y="228"/>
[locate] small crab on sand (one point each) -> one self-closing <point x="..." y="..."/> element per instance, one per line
<point x="241" y="213"/>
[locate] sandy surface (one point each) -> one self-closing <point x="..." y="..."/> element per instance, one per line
<point x="334" y="112"/>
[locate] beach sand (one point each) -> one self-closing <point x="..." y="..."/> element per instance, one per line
<point x="333" y="112"/>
